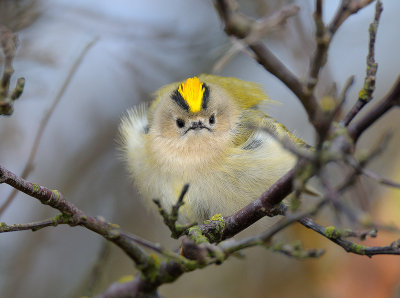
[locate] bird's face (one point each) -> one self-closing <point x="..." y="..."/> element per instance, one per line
<point x="192" y="124"/>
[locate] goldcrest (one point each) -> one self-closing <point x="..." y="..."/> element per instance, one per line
<point x="207" y="132"/>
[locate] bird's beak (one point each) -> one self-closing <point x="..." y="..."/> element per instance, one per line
<point x="197" y="125"/>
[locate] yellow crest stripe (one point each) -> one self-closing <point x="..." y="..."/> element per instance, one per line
<point x="192" y="91"/>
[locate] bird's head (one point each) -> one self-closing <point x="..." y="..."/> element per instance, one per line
<point x="192" y="122"/>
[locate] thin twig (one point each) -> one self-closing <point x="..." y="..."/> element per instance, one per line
<point x="296" y="251"/>
<point x="33" y="226"/>
<point x="45" y="120"/>
<point x="301" y="150"/>
<point x="372" y="175"/>
<point x="272" y="64"/>
<point x="237" y="46"/>
<point x="171" y="218"/>
<point x="337" y="236"/>
<point x="8" y="45"/>
<point x="322" y="39"/>
<point x="263" y="26"/>
<point x="365" y="94"/>
<point x="346" y="9"/>
<point x="265" y="205"/>
<point x="392" y="99"/>
<point x="229" y="247"/>
<point x="240" y="26"/>
<point x="73" y="216"/>
<point x="343" y="95"/>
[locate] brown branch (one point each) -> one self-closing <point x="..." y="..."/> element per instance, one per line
<point x="33" y="226"/>
<point x="296" y="251"/>
<point x="265" y="237"/>
<point x="392" y="99"/>
<point x="240" y="26"/>
<point x="337" y="236"/>
<point x="360" y="167"/>
<point x="135" y="288"/>
<point x="272" y="64"/>
<point x="323" y="40"/>
<point x="170" y="219"/>
<point x="8" y="45"/>
<point x="366" y="92"/>
<point x="73" y="216"/>
<point x="260" y="207"/>
<point x="264" y="205"/>
<point x="43" y="123"/>
<point x="267" y="203"/>
<point x="343" y="95"/>
<point x="346" y="9"/>
<point x="379" y="179"/>
<point x="260" y="28"/>
<point x="154" y="271"/>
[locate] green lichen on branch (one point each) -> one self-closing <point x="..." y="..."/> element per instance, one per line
<point x="358" y="248"/>
<point x="56" y="194"/>
<point x="196" y="234"/>
<point x="218" y="222"/>
<point x="151" y="269"/>
<point x="369" y="83"/>
<point x="35" y="187"/>
<point x="334" y="233"/>
<point x="62" y="219"/>
<point x="366" y="93"/>
<point x="331" y="232"/>
<point x="296" y="250"/>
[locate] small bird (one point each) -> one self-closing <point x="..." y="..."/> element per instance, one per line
<point x="205" y="131"/>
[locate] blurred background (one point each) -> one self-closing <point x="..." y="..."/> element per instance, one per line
<point x="140" y="46"/>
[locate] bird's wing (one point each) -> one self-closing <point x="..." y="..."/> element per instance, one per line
<point x="253" y="122"/>
<point x="245" y="94"/>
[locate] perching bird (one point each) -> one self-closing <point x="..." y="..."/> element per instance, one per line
<point x="207" y="132"/>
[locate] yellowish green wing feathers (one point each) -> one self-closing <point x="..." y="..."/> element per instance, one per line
<point x="245" y="94"/>
<point x="253" y="120"/>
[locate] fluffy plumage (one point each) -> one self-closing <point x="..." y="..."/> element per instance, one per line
<point x="222" y="151"/>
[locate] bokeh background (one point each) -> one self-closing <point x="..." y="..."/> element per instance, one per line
<point x="140" y="46"/>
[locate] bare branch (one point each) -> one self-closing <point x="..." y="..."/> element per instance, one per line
<point x="170" y="219"/>
<point x="8" y="45"/>
<point x="346" y="9"/>
<point x="272" y="64"/>
<point x="346" y="88"/>
<point x="263" y="26"/>
<point x="392" y="99"/>
<point x="260" y="207"/>
<point x="128" y="289"/>
<point x="73" y="216"/>
<point x="34" y="226"/>
<point x="43" y="123"/>
<point x="296" y="251"/>
<point x="265" y="237"/>
<point x="240" y="26"/>
<point x="334" y="112"/>
<point x="366" y="92"/>
<point x="323" y="40"/>
<point x="337" y="236"/>
<point x="372" y="175"/>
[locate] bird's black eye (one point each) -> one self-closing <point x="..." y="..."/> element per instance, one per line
<point x="212" y="119"/>
<point x="180" y="123"/>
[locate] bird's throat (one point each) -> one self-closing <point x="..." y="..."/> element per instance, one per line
<point x="197" y="153"/>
